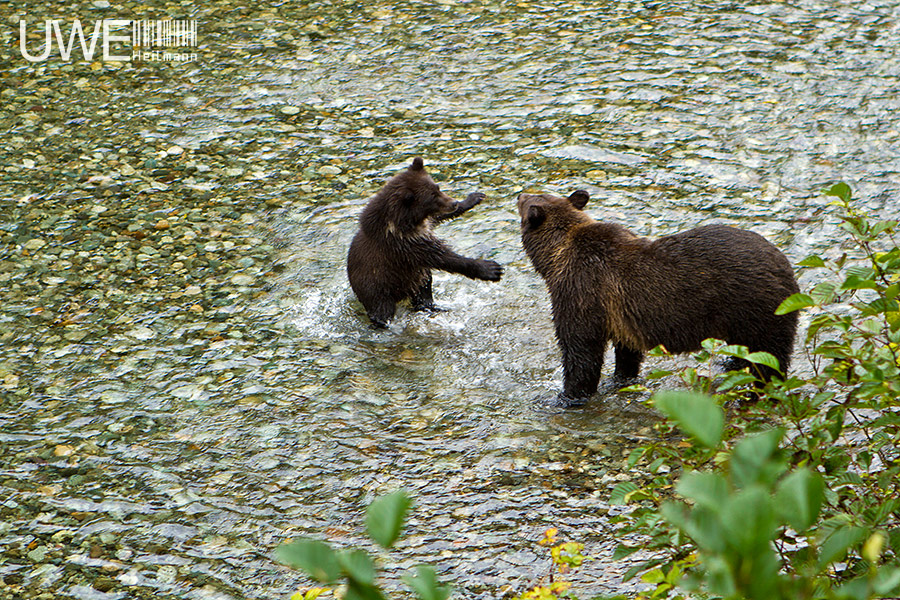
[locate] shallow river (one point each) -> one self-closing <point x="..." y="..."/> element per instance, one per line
<point x="186" y="378"/>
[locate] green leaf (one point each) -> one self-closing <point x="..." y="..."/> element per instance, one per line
<point x="881" y="226"/>
<point x="764" y="358"/>
<point x="877" y="307"/>
<point x="623" y="551"/>
<point x="823" y="292"/>
<point x="720" y="577"/>
<point x="705" y="489"/>
<point x="734" y="350"/>
<point x="893" y="320"/>
<point x="794" y="303"/>
<point x="654" y="576"/>
<point x="887" y="581"/>
<point x="361" y="591"/>
<point x="634" y="456"/>
<point x="834" y="422"/>
<point x="813" y="261"/>
<point x="753" y="459"/>
<point x="749" y="521"/>
<point x="621" y="491"/>
<point x="658" y="374"/>
<point x="656" y="464"/>
<point x="735" y="379"/>
<point x="631" y="389"/>
<point x="313" y="557"/>
<point x="702" y="524"/>
<point x="633" y="571"/>
<point x="799" y="498"/>
<point x="855" y="589"/>
<point x="357" y="565"/>
<point x="705" y="528"/>
<point x="712" y="344"/>
<point x="859" y="278"/>
<point x="836" y="545"/>
<point x="698" y="415"/>
<point x="425" y="584"/>
<point x="840" y="190"/>
<point x="892" y="291"/>
<point x="384" y="517"/>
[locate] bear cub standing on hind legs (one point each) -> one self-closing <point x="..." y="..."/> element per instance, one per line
<point x="607" y="284"/>
<point x="394" y="251"/>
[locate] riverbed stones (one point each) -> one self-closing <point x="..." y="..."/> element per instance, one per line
<point x="34" y="244"/>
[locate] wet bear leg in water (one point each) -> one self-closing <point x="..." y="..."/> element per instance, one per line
<point x="423" y="298"/>
<point x="628" y="362"/>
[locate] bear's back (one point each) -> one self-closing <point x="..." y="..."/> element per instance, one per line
<point x="716" y="274"/>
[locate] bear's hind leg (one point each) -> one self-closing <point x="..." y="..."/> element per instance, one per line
<point x="381" y="311"/>
<point x="423" y="299"/>
<point x="628" y="363"/>
<point x="582" y="365"/>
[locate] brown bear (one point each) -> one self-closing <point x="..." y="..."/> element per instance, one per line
<point x="395" y="249"/>
<point x="607" y="284"/>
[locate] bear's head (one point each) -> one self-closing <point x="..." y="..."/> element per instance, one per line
<point x="411" y="198"/>
<point x="548" y="212"/>
<point x="547" y="221"/>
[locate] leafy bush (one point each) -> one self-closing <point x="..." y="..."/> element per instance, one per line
<point x="797" y="495"/>
<point x="566" y="557"/>
<point x="354" y="567"/>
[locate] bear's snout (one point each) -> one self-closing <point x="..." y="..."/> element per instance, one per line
<point x="446" y="204"/>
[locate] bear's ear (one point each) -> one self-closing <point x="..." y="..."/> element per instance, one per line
<point x="417" y="164"/>
<point x="579" y="198"/>
<point x="535" y="216"/>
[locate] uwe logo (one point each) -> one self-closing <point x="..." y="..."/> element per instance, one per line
<point x="147" y="40"/>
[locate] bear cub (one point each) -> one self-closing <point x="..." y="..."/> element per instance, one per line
<point x="395" y="249"/>
<point x="608" y="285"/>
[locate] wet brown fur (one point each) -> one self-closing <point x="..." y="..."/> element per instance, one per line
<point x="608" y="285"/>
<point x="394" y="251"/>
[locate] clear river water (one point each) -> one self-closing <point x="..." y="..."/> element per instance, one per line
<point x="186" y="380"/>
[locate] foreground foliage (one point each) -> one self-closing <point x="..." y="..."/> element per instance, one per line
<point x="796" y="496"/>
<point x="566" y="557"/>
<point x="354" y="568"/>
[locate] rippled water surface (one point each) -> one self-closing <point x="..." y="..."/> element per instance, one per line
<point x="186" y="379"/>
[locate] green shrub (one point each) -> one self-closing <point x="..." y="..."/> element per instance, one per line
<point x="354" y="567"/>
<point x="795" y="496"/>
<point x="566" y="557"/>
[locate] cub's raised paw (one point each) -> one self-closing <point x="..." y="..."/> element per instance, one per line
<point x="490" y="271"/>
<point x="473" y="199"/>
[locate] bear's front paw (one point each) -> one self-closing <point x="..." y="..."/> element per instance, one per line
<point x="569" y="402"/>
<point x="490" y="270"/>
<point x="473" y="199"/>
<point x="429" y="307"/>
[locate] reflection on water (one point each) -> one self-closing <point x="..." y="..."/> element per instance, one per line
<point x="187" y="379"/>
